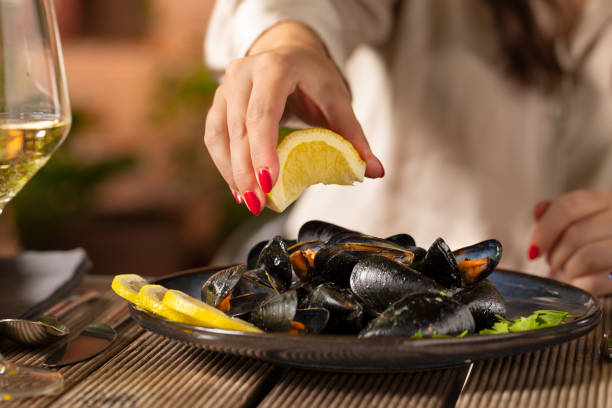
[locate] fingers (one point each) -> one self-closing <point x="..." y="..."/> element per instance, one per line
<point x="579" y="235"/>
<point x="265" y="110"/>
<point x="563" y="212"/>
<point x="589" y="259"/>
<point x="217" y="140"/>
<point x="240" y="149"/>
<point x="597" y="284"/>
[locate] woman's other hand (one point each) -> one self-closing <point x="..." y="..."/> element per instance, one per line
<point x="574" y="232"/>
<point x="287" y="72"/>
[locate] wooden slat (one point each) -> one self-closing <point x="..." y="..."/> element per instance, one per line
<point x="300" y="388"/>
<point x="568" y="375"/>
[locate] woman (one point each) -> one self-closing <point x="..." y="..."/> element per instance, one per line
<point x="492" y="119"/>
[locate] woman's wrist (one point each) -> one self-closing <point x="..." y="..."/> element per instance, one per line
<point x="288" y="33"/>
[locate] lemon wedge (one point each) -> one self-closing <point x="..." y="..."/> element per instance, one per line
<point x="204" y="314"/>
<point x="127" y="286"/>
<point x="312" y="156"/>
<point x="150" y="298"/>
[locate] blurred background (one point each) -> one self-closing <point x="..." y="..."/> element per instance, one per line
<point x="132" y="183"/>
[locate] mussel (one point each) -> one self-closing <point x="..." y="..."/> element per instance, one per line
<point x="311" y="320"/>
<point x="378" y="281"/>
<point x="274" y="258"/>
<point x="217" y="290"/>
<point x="335" y="262"/>
<point x="320" y="231"/>
<point x="484" y="302"/>
<point x="463" y="267"/>
<point x="301" y="256"/>
<point x="276" y="314"/>
<point x="477" y="261"/>
<point x="345" y="311"/>
<point x="421" y="314"/>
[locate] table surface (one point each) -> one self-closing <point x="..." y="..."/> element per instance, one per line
<point x="143" y="369"/>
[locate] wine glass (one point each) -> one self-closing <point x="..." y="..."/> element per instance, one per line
<point x="34" y="120"/>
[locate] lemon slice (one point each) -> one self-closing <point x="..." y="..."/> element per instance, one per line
<point x="127" y="286"/>
<point x="312" y="156"/>
<point x="204" y="314"/>
<point x="150" y="298"/>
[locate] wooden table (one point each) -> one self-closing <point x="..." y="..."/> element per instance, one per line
<point x="142" y="369"/>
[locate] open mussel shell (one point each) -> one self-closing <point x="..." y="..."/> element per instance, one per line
<point x="220" y="285"/>
<point x="320" y="231"/>
<point x="484" y="302"/>
<point x="301" y="256"/>
<point x="259" y="280"/>
<point x="244" y="304"/>
<point x="440" y="265"/>
<point x="425" y="313"/>
<point x="477" y="261"/>
<point x="276" y="314"/>
<point x="274" y="258"/>
<point x="378" y="281"/>
<point x="345" y="311"/>
<point x="311" y="320"/>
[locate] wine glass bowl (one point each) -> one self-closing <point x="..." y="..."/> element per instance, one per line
<point x="34" y="105"/>
<point x="34" y="120"/>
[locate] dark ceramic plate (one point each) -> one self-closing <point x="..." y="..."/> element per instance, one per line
<point x="523" y="295"/>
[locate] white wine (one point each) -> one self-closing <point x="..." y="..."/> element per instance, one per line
<point x="25" y="146"/>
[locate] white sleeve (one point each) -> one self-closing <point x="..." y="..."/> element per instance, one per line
<point x="341" y="24"/>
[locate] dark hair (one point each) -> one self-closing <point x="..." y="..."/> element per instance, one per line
<point x="530" y="51"/>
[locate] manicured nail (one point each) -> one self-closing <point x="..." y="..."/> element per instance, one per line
<point x="252" y="202"/>
<point x="533" y="252"/>
<point x="539" y="209"/>
<point x="264" y="180"/>
<point x="382" y="169"/>
<point x="237" y="197"/>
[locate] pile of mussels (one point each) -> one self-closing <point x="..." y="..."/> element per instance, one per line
<point x="334" y="280"/>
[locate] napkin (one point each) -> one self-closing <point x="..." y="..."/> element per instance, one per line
<point x="35" y="280"/>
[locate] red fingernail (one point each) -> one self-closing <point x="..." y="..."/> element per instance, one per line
<point x="237" y="197"/>
<point x="264" y="179"/>
<point x="252" y="202"/>
<point x="539" y="209"/>
<point x="533" y="252"/>
<point x="382" y="168"/>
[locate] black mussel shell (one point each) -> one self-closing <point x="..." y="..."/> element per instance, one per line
<point x="403" y="240"/>
<point x="246" y="303"/>
<point x="440" y="265"/>
<point x="319" y="231"/>
<point x="254" y="254"/>
<point x="484" y="301"/>
<point x="276" y="314"/>
<point x="301" y="256"/>
<point x="362" y="239"/>
<point x="345" y="311"/>
<point x="378" y="281"/>
<point x="274" y="258"/>
<point x="221" y="284"/>
<point x="258" y="280"/>
<point x="335" y="262"/>
<point x="425" y="313"/>
<point x="486" y="255"/>
<point x="419" y="254"/>
<point x="313" y="320"/>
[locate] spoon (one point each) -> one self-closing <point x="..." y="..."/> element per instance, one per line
<point x="47" y="329"/>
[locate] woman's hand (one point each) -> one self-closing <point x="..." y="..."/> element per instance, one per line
<point x="575" y="233"/>
<point x="286" y="72"/>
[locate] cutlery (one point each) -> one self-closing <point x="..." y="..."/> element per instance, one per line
<point x="47" y="329"/>
<point x="94" y="339"/>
